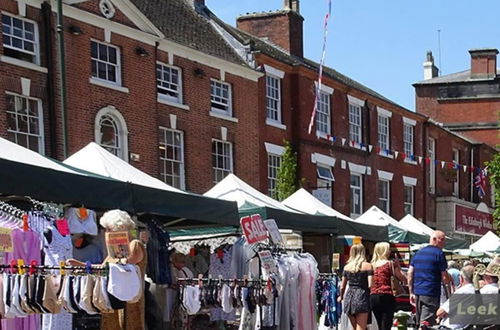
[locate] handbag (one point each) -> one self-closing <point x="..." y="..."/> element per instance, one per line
<point x="396" y="286"/>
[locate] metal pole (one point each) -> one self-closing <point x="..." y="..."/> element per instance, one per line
<point x="62" y="75"/>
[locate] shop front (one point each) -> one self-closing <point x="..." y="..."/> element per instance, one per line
<point x="461" y="219"/>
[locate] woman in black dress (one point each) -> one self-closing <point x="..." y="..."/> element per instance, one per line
<point x="358" y="273"/>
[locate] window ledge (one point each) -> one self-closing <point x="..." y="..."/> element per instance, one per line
<point x="23" y="64"/>
<point x="411" y="162"/>
<point x="275" y="124"/>
<point x="222" y="116"/>
<point x="383" y="154"/>
<point x="173" y="104"/>
<point x="108" y="85"/>
<point x="322" y="135"/>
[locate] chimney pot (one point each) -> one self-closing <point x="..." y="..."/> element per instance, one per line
<point x="483" y="63"/>
<point x="430" y="69"/>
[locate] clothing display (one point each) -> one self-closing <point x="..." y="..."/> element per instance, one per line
<point x="220" y="265"/>
<point x="81" y="221"/>
<point x="59" y="249"/>
<point x="327" y="292"/>
<point x="158" y="255"/>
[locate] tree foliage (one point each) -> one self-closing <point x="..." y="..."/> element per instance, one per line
<point x="494" y="178"/>
<point x="286" y="181"/>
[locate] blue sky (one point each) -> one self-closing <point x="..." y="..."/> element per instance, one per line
<point x="382" y="43"/>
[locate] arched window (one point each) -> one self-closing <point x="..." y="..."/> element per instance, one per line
<point x="111" y="132"/>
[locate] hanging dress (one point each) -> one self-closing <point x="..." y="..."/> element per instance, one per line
<point x="27" y="247"/>
<point x="59" y="249"/>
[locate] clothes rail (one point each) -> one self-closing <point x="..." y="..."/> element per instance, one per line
<point x="43" y="267"/>
<point x="221" y="280"/>
<point x="11" y="210"/>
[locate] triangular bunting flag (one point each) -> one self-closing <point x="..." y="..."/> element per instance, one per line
<point x="343" y="141"/>
<point x="377" y="149"/>
<point x="334" y="139"/>
<point x="403" y="155"/>
<point x="472" y="168"/>
<point x="420" y="159"/>
<point x="465" y="168"/>
<point x="436" y="161"/>
<point x="442" y="164"/>
<point x="370" y="147"/>
<point x="451" y="165"/>
<point x="328" y="137"/>
<point x="396" y="153"/>
<point x="353" y="143"/>
<point x="427" y="160"/>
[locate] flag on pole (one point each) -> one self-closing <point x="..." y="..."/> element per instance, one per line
<point x="480" y="183"/>
<point x="318" y="87"/>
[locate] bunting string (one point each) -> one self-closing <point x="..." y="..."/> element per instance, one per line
<point x="323" y="54"/>
<point x="398" y="155"/>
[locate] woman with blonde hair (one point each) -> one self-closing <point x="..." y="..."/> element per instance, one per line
<point x="358" y="273"/>
<point x="382" y="300"/>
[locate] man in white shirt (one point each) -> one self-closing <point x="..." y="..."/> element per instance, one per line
<point x="491" y="279"/>
<point x="466" y="286"/>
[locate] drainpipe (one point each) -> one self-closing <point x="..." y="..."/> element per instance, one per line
<point x="472" y="174"/>
<point x="51" y="100"/>
<point x="62" y="75"/>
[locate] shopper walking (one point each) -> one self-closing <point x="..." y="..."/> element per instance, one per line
<point x="382" y="300"/>
<point x="358" y="273"/>
<point x="426" y="273"/>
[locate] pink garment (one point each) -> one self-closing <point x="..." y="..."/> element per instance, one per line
<point x="26" y="247"/>
<point x="307" y="298"/>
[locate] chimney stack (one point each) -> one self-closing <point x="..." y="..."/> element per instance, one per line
<point x="430" y="69"/>
<point x="483" y="64"/>
<point x="283" y="28"/>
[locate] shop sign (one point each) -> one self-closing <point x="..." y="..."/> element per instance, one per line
<point x="272" y="229"/>
<point x="324" y="195"/>
<point x="471" y="221"/>
<point x="6" y="240"/>
<point x="253" y="228"/>
<point x="267" y="262"/>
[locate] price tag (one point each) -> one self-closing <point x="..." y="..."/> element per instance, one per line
<point x="6" y="240"/>
<point x="335" y="261"/>
<point x="253" y="228"/>
<point x="267" y="262"/>
<point x="273" y="230"/>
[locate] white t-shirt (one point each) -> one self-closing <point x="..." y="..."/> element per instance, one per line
<point x="464" y="289"/>
<point x="491" y="288"/>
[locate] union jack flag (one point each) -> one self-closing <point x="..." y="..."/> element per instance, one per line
<point x="480" y="183"/>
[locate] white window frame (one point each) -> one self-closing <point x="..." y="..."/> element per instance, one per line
<point x="386" y="199"/>
<point x="121" y="127"/>
<point x="169" y="179"/>
<point x="383" y="129"/>
<point x="353" y="189"/>
<point x="273" y="164"/>
<point x="162" y="67"/>
<point x="216" y="169"/>
<point x="355" y="123"/>
<point x="40" y="136"/>
<point x="431" y="153"/>
<point x="409" y="203"/>
<point x="36" y="39"/>
<point x="117" y="66"/>
<point x="218" y="99"/>
<point x="408" y="139"/>
<point x="274" y="97"/>
<point x="456" y="184"/>
<point x="329" y="174"/>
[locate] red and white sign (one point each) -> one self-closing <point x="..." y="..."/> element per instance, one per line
<point x="471" y="221"/>
<point x="253" y="228"/>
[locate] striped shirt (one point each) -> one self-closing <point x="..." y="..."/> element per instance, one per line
<point x="428" y="263"/>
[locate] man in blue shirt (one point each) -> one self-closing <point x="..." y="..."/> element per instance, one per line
<point x="427" y="271"/>
<point x="454" y="272"/>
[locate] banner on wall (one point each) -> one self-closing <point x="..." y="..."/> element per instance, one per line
<point x="470" y="221"/>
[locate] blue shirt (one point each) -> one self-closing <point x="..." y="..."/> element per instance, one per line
<point x="428" y="263"/>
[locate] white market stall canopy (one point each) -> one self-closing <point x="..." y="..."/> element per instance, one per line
<point x="16" y="153"/>
<point x="232" y="188"/>
<point x="95" y="159"/>
<point x="377" y="217"/>
<point x="409" y="222"/>
<point x="303" y="201"/>
<point x="489" y="242"/>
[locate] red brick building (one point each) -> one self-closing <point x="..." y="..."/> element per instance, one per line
<point x="467" y="102"/>
<point x="187" y="98"/>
